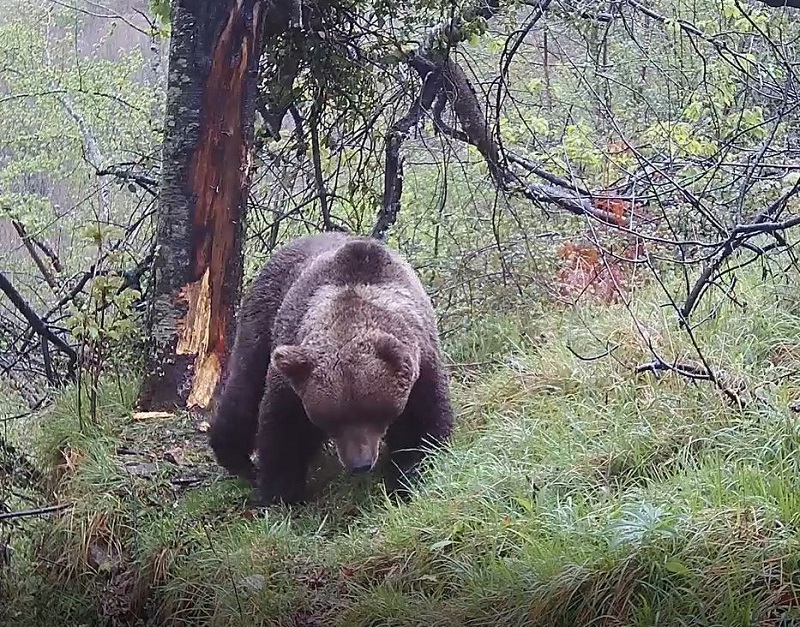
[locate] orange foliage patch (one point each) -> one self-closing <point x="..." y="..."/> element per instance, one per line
<point x="616" y="207"/>
<point x="585" y="271"/>
<point x="621" y="209"/>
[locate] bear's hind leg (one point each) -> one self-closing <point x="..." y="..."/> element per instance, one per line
<point x="231" y="437"/>
<point x="287" y="442"/>
<point x="235" y="420"/>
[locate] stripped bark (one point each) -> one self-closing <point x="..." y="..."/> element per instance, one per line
<point x="214" y="53"/>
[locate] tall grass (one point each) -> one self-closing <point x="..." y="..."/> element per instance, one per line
<point x="574" y="493"/>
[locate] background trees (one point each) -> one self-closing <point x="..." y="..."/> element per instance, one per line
<point x="660" y="135"/>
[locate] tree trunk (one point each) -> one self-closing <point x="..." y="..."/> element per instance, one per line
<point x="213" y="67"/>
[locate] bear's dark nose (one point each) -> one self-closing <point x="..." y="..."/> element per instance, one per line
<point x="360" y="470"/>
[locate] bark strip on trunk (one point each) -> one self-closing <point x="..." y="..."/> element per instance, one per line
<point x="205" y="179"/>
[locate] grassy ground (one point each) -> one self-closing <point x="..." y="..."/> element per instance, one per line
<point x="575" y="493"/>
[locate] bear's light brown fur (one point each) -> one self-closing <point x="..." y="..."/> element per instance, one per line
<point x="337" y="339"/>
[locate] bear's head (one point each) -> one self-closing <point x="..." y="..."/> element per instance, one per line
<point x="353" y="392"/>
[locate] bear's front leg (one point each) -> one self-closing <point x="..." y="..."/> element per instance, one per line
<point x="287" y="443"/>
<point x="426" y="423"/>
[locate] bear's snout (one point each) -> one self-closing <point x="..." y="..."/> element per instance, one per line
<point x="358" y="452"/>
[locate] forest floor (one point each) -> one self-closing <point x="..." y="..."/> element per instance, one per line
<point x="575" y="493"/>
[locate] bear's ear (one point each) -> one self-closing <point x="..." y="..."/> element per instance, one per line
<point x="402" y="359"/>
<point x="296" y="363"/>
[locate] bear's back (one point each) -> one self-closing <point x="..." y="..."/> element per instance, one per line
<point x="281" y="272"/>
<point x="327" y="264"/>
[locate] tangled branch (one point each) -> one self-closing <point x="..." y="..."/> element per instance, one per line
<point x="38" y="325"/>
<point x="740" y="237"/>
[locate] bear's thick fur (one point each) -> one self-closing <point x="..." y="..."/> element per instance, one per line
<point x="336" y="339"/>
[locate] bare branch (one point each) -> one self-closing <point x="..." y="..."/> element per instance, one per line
<point x="92" y="148"/>
<point x="37" y="323"/>
<point x="317" y="160"/>
<point x="574" y="204"/>
<point x="693" y="372"/>
<point x="28" y="513"/>
<point x="145" y="182"/>
<point x="539" y="171"/>
<point x="393" y="171"/>
<point x="29" y="243"/>
<point x="737" y="239"/>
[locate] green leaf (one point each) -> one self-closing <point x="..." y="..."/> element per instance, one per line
<point x="677" y="567"/>
<point x="526" y="504"/>
<point x="438" y="546"/>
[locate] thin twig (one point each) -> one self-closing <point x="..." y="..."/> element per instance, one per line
<point x="41" y="511"/>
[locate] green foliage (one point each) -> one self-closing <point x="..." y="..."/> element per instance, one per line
<point x="72" y="105"/>
<point x="613" y="100"/>
<point x="162" y="10"/>
<point x="53" y="97"/>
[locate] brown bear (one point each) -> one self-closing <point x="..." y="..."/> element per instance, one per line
<point x="336" y="340"/>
